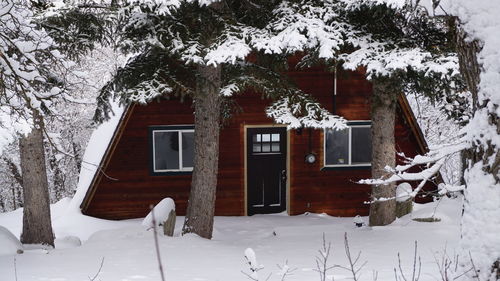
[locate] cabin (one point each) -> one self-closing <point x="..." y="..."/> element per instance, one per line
<point x="263" y="167"/>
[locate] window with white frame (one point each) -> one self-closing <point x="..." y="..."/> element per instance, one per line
<point x="349" y="147"/>
<point x="173" y="148"/>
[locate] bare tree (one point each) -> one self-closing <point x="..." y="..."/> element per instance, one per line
<point x="322" y="266"/>
<point x="415" y="275"/>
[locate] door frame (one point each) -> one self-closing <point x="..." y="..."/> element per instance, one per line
<point x="245" y="164"/>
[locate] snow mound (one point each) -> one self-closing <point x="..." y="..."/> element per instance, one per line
<point x="160" y="212"/>
<point x="67" y="242"/>
<point x="9" y="244"/>
<point x="403" y="192"/>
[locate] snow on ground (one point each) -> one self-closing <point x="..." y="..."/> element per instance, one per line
<point x="129" y="254"/>
<point x="9" y="243"/>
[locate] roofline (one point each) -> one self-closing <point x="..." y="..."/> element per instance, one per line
<point x="117" y="134"/>
<point x="412" y="121"/>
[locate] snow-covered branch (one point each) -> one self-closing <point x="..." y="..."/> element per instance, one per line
<point x="33" y="73"/>
<point x="432" y="163"/>
<point x="298" y="112"/>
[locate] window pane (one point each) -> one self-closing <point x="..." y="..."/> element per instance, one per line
<point x="275" y="137"/>
<point x="166" y="150"/>
<point x="256" y="147"/>
<point x="256" y="138"/>
<point x="266" y="137"/>
<point x="266" y="147"/>
<point x="275" y="146"/>
<point x="361" y="145"/>
<point x="337" y="150"/>
<point x="187" y="149"/>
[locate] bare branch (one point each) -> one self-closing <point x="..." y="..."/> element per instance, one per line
<point x="322" y="260"/>
<point x="157" y="247"/>
<point x="353" y="267"/>
<point x="476" y="272"/>
<point x="415" y="276"/>
<point x="98" y="271"/>
<point x="15" y="268"/>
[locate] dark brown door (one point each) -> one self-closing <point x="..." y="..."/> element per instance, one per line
<point x="266" y="170"/>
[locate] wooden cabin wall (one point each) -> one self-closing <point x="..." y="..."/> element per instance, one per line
<point x="312" y="188"/>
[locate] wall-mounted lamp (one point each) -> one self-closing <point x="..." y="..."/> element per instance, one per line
<point x="310" y="158"/>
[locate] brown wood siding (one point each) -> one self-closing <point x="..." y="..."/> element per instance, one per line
<point x="312" y="189"/>
<point x="331" y="191"/>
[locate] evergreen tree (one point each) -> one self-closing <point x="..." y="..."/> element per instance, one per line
<point x="473" y="26"/>
<point x="401" y="50"/>
<point x="208" y="51"/>
<point x="404" y="39"/>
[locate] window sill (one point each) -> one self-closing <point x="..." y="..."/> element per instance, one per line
<point x="171" y="173"/>
<point x="340" y="168"/>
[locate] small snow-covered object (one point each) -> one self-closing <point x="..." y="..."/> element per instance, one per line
<point x="160" y="212"/>
<point x="251" y="258"/>
<point x="403" y="192"/>
<point x="284" y="270"/>
<point x="9" y="244"/>
<point x="358" y="221"/>
<point x="252" y="262"/>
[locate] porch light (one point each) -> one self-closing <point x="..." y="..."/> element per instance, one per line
<point x="310" y="158"/>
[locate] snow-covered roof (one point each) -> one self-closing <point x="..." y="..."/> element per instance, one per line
<point x="97" y="148"/>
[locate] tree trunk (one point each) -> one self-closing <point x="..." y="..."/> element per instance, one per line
<point x="383" y="112"/>
<point x="16" y="175"/>
<point x="207" y="104"/>
<point x="169" y="224"/>
<point x="37" y="227"/>
<point x="76" y="152"/>
<point x="481" y="213"/>
<point x="14" y="205"/>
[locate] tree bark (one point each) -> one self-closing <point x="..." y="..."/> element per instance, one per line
<point x="207" y="104"/>
<point x="383" y="112"/>
<point x="169" y="224"/>
<point x="16" y="175"/>
<point x="37" y="227"/>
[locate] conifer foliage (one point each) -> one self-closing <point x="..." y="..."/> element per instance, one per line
<point x="405" y="51"/>
<point x="208" y="51"/>
<point x="183" y="48"/>
<point x="399" y="46"/>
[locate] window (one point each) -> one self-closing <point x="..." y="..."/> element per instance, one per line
<point x="173" y="148"/>
<point x="349" y="147"/>
<point x="266" y="143"/>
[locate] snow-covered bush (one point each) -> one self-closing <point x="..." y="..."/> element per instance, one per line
<point x="159" y="213"/>
<point x="403" y="192"/>
<point x="9" y="244"/>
